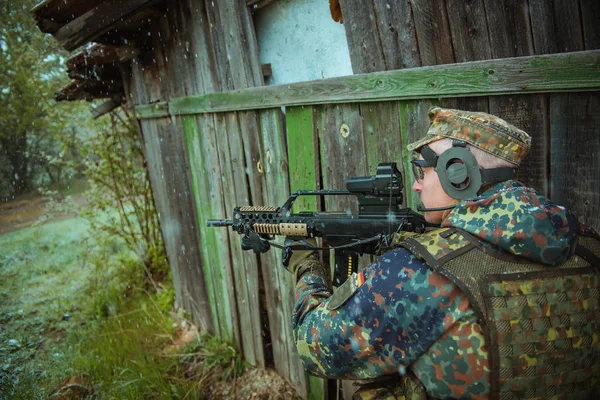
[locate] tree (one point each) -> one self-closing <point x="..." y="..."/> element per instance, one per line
<point x="31" y="69"/>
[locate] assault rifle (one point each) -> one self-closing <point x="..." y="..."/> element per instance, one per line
<point x="350" y="235"/>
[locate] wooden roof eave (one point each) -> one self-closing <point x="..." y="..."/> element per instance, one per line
<point x="91" y="20"/>
<point x="88" y="90"/>
<point x="51" y="15"/>
<point x="101" y="54"/>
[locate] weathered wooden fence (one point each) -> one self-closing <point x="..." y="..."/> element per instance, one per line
<point x="216" y="138"/>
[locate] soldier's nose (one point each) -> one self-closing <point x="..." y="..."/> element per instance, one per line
<point x="417" y="187"/>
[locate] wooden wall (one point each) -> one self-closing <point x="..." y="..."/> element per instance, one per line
<point x="204" y="164"/>
<point x="387" y="35"/>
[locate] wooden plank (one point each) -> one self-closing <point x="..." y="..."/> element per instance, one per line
<point x="174" y="202"/>
<point x="509" y="28"/>
<point x="199" y="54"/>
<point x="414" y="122"/>
<point x="362" y="34"/>
<point x="251" y="139"/>
<point x="470" y="42"/>
<point x="468" y="103"/>
<point x="233" y="170"/>
<point x="209" y="203"/>
<point x="237" y="66"/>
<point x="184" y="234"/>
<point x="159" y="188"/>
<point x="590" y="13"/>
<point x="469" y="29"/>
<point x="530" y="114"/>
<point x="304" y="173"/>
<point x="106" y="107"/>
<point x="235" y="46"/>
<point x="433" y="31"/>
<point x="278" y="284"/>
<point x="569" y="35"/>
<point x="303" y="155"/>
<point x="97" y="21"/>
<point x="170" y="54"/>
<point x="249" y="43"/>
<point x="317" y="388"/>
<point x="381" y="127"/>
<point x="397" y="34"/>
<point x="211" y="132"/>
<point x="538" y="74"/>
<point x="156" y="110"/>
<point x="343" y="149"/>
<point x="542" y="27"/>
<point x="574" y="163"/>
<point x="219" y="47"/>
<point x="228" y="171"/>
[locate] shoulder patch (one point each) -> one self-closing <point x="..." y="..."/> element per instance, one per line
<point x="346" y="290"/>
<point x="438" y="246"/>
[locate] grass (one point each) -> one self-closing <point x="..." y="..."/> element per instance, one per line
<point x="43" y="272"/>
<point x="124" y="355"/>
<point x="72" y="186"/>
<point x="73" y="306"/>
<point x="65" y="187"/>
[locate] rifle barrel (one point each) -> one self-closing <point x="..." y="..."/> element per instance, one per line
<point x="218" y="222"/>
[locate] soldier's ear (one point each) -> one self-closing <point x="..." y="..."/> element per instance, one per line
<point x="459" y="172"/>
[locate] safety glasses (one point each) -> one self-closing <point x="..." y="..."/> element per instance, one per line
<point x="429" y="160"/>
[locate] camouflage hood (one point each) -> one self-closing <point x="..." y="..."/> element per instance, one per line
<point x="517" y="219"/>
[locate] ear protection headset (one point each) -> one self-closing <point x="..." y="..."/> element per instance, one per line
<point x="460" y="175"/>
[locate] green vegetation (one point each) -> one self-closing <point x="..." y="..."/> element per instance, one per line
<point x="74" y="309"/>
<point x="40" y="140"/>
<point x="88" y="302"/>
<point x="120" y="188"/>
<point x="209" y="356"/>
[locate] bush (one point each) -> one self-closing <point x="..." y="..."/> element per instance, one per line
<point x="120" y="196"/>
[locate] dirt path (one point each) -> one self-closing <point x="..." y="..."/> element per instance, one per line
<point x="15" y="215"/>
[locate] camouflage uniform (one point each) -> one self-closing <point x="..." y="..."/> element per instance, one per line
<point x="399" y="316"/>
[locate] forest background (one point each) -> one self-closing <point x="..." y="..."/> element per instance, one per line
<point x="86" y="298"/>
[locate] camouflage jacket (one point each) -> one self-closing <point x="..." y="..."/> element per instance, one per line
<point x="404" y="315"/>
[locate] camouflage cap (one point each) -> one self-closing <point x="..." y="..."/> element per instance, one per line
<point x="484" y="131"/>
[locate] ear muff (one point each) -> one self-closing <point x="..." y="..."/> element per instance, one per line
<point x="459" y="173"/>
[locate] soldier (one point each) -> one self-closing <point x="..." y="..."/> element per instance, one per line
<point x="501" y="301"/>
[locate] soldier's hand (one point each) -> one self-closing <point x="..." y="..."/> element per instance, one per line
<point x="297" y="259"/>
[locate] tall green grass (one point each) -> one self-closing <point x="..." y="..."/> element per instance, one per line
<point x="79" y="309"/>
<point x="125" y="358"/>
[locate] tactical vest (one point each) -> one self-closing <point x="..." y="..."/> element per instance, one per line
<point x="541" y="323"/>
